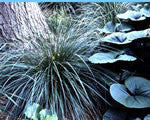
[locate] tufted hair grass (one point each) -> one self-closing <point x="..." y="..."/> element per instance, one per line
<point x="55" y="73"/>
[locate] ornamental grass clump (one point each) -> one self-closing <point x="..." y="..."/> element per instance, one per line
<point x="53" y="73"/>
<point x="103" y="12"/>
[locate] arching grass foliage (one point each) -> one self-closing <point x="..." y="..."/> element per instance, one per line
<point x="54" y="72"/>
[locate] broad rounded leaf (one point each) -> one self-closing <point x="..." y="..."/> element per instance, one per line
<point x="124" y="27"/>
<point x="134" y="94"/>
<point x="136" y="7"/>
<point x="125" y="38"/>
<point x="109" y="27"/>
<point x="119" y="93"/>
<point x="102" y="58"/>
<point x="126" y="57"/>
<point x="43" y="113"/>
<point x="51" y="117"/>
<point x="116" y="38"/>
<point x="110" y="57"/>
<point x="131" y="15"/>
<point x="136" y="35"/>
<point x="147" y="117"/>
<point x="32" y="111"/>
<point x="145" y="10"/>
<point x="138" y="86"/>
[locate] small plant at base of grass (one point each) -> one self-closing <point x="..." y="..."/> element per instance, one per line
<point x="35" y="112"/>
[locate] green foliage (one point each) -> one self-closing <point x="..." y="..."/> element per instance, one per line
<point x="110" y="57"/>
<point x="44" y="113"/>
<point x="126" y="38"/>
<point x="54" y="73"/>
<point x="147" y="117"/>
<point x="103" y="12"/>
<point x="110" y="10"/>
<point x="134" y="94"/>
<point x="59" y="22"/>
<point x="51" y="117"/>
<point x="145" y="10"/>
<point x="131" y="15"/>
<point x="34" y="112"/>
<point x="111" y="27"/>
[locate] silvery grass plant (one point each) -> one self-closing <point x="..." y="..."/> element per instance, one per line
<point x="102" y="12"/>
<point x="54" y="73"/>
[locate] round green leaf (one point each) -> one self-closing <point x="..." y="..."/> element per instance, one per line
<point x="134" y="94"/>
<point x="43" y="113"/>
<point x="51" y="117"/>
<point x="147" y="117"/>
<point x="109" y="27"/>
<point x="119" y="93"/>
<point x="124" y="27"/>
<point x="32" y="111"/>
<point x="110" y="57"/>
<point x="136" y="7"/>
<point x="145" y="10"/>
<point x="116" y="38"/>
<point x="131" y="15"/>
<point x="136" y="35"/>
<point x="138" y="86"/>
<point x="125" y="38"/>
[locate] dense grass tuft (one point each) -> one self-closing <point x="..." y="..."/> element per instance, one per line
<point x="54" y="73"/>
